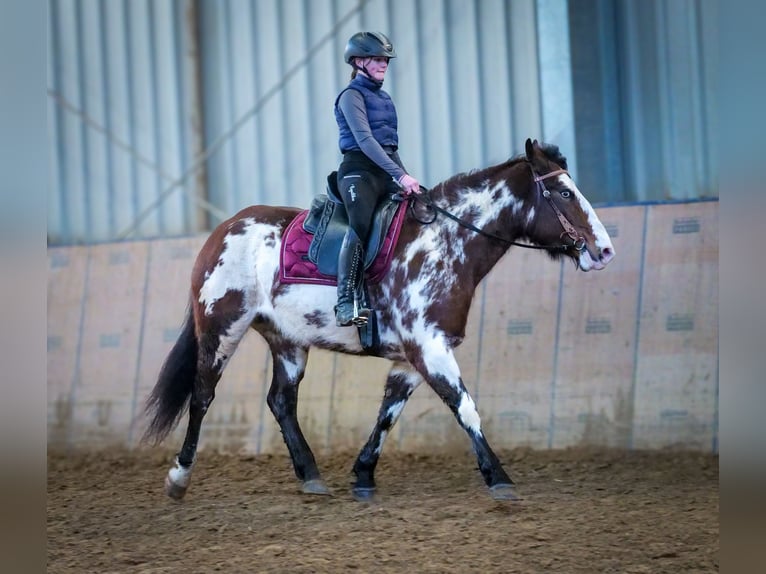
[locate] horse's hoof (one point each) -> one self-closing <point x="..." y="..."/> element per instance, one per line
<point x="316" y="486"/>
<point x="363" y="494"/>
<point x="504" y="492"/>
<point x="173" y="490"/>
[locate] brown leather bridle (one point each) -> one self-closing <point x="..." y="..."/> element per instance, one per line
<point x="578" y="241"/>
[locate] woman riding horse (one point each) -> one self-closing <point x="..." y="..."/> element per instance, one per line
<point x="367" y="123"/>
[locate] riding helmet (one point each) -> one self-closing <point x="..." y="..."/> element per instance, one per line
<point x="368" y="45"/>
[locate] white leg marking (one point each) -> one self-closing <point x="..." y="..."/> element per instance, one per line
<point x="395" y="410"/>
<point x="469" y="416"/>
<point x="179" y="475"/>
<point x="383" y="435"/>
<point x="292" y="369"/>
<point x="438" y="358"/>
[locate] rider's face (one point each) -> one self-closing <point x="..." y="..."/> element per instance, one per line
<point x="376" y="67"/>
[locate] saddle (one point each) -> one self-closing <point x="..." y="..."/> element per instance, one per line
<point x="312" y="241"/>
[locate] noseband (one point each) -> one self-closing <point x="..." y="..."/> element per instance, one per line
<point x="578" y="241"/>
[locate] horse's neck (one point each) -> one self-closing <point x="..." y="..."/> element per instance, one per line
<point x="491" y="208"/>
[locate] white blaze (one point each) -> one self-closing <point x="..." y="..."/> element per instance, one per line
<point x="603" y="241"/>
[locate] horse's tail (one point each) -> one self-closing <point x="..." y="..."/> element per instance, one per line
<point x="170" y="396"/>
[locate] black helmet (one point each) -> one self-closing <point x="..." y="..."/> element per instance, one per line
<point x="368" y="45"/>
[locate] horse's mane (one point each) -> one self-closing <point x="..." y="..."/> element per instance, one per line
<point x="552" y="152"/>
<point x="475" y="177"/>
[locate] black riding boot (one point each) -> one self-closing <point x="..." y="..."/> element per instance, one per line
<point x="349" y="311"/>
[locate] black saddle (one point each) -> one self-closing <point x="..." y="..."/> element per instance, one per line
<point x="327" y="221"/>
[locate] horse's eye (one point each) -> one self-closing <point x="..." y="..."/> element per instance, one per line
<point x="566" y="194"/>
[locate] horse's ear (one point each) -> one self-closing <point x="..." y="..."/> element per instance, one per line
<point x="530" y="149"/>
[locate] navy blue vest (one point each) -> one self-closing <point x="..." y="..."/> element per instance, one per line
<point x="381" y="114"/>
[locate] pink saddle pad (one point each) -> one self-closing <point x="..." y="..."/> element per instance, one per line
<point x="294" y="264"/>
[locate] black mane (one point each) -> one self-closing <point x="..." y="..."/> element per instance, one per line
<point x="475" y="177"/>
<point x="552" y="152"/>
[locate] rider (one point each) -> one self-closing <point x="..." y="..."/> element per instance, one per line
<point x="367" y="123"/>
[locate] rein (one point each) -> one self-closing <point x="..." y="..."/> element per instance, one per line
<point x="578" y="241"/>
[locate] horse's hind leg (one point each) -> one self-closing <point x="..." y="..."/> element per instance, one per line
<point x="440" y="370"/>
<point x="179" y="477"/>
<point x="402" y="381"/>
<point x="289" y="367"/>
<point x="216" y="346"/>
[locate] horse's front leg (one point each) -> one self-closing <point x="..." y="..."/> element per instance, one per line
<point x="289" y="367"/>
<point x="402" y="380"/>
<point x="439" y="368"/>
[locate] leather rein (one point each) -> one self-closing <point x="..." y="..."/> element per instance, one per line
<point x="578" y="241"/>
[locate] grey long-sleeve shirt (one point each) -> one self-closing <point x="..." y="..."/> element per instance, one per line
<point x="351" y="104"/>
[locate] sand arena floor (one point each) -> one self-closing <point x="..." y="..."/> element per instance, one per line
<point x="583" y="511"/>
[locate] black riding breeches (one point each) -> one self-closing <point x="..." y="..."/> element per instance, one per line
<point x="362" y="185"/>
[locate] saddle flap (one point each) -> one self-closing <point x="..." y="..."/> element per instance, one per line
<point x="384" y="215"/>
<point x="332" y="188"/>
<point x="314" y="215"/>
<point x="328" y="222"/>
<point x="329" y="234"/>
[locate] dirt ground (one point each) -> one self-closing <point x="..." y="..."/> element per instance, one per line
<point x="583" y="511"/>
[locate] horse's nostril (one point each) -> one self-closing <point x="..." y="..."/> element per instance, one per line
<point x="607" y="254"/>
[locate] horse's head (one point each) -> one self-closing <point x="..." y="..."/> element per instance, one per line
<point x="563" y="218"/>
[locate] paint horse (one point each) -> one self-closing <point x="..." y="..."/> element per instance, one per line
<point x="422" y="305"/>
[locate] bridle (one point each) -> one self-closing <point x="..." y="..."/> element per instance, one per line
<point x="578" y="241"/>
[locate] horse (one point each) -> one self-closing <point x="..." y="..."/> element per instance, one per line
<point x="422" y="305"/>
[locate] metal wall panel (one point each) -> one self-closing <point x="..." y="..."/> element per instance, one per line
<point x="103" y="392"/>
<point x="121" y="130"/>
<point x="520" y="315"/>
<point x="676" y="375"/>
<point x="165" y="295"/>
<point x="465" y="99"/>
<point x="596" y="354"/>
<point x="145" y="92"/>
<point x="472" y="81"/>
<point x="644" y="95"/>
<point x="596" y="98"/>
<point x="68" y="271"/>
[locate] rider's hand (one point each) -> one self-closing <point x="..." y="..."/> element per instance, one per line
<point x="409" y="184"/>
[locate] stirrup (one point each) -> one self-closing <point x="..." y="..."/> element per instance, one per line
<point x="358" y="317"/>
<point x="360" y="314"/>
<point x="340" y="323"/>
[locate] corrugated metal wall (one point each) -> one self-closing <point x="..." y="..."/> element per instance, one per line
<point x="141" y="88"/>
<point x="469" y="87"/>
<point x="120" y="120"/>
<point x="645" y="98"/>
